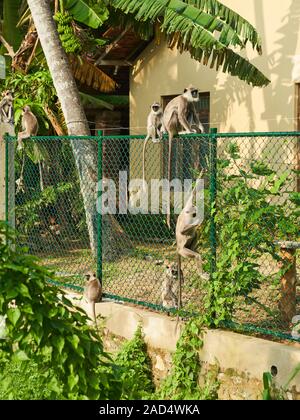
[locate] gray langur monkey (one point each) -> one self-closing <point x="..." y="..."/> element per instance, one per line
<point x="6" y="107"/>
<point x="29" y="124"/>
<point x="169" y="286"/>
<point x="180" y="114"/>
<point x="186" y="232"/>
<point x="93" y="292"/>
<point x="155" y="130"/>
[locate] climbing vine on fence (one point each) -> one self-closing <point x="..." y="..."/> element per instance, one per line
<point x="254" y="208"/>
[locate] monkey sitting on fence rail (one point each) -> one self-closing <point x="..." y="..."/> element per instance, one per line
<point x="29" y="124"/>
<point x="155" y="130"/>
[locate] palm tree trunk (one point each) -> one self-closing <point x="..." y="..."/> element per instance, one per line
<point x="67" y="92"/>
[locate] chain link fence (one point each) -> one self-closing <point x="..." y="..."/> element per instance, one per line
<point x="248" y="240"/>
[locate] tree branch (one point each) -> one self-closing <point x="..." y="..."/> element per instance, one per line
<point x="8" y="47"/>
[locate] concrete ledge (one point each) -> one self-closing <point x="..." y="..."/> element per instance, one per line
<point x="160" y="330"/>
<point x="249" y="355"/>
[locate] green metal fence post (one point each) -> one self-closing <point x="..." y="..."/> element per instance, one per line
<point x="6" y="177"/>
<point x="213" y="196"/>
<point x="99" y="207"/>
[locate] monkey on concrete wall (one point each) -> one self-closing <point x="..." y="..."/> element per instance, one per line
<point x="93" y="292"/>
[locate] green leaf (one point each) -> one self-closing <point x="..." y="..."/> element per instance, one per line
<point x="260" y="168"/>
<point x="74" y="340"/>
<point x="20" y="356"/>
<point x="73" y="381"/>
<point x="13" y="314"/>
<point x="83" y="13"/>
<point x="295" y="198"/>
<point x="279" y="183"/>
<point x="24" y="291"/>
<point x="59" y="343"/>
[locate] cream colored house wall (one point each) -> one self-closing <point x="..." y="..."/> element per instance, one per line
<point x="235" y="106"/>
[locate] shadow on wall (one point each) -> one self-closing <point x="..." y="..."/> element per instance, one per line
<point x="279" y="95"/>
<point x="154" y="75"/>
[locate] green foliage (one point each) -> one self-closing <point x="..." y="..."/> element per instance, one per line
<point x="92" y="13"/>
<point x="210" y="31"/>
<point x="252" y="217"/>
<point x="66" y="33"/>
<point x="42" y="327"/>
<point x="182" y="383"/>
<point x="135" y="368"/>
<point x="34" y="89"/>
<point x="29" y="214"/>
<point x="11" y="33"/>
<point x="273" y="392"/>
<point x="24" y="381"/>
<point x="267" y="382"/>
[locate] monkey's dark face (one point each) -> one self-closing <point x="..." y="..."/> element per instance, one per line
<point x="195" y="93"/>
<point x="192" y="94"/>
<point x="155" y="108"/>
<point x="90" y="276"/>
<point x="192" y="212"/>
<point x="26" y="109"/>
<point x="172" y="270"/>
<point x="7" y="93"/>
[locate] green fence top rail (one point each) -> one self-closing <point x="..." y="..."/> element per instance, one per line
<point x="233" y="326"/>
<point x="279" y="134"/>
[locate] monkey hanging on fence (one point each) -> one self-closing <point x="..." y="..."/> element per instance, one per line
<point x="180" y="114"/>
<point x="6" y="107"/>
<point x="186" y="231"/>
<point x="29" y="124"/>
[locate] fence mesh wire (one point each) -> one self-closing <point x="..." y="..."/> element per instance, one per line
<point x="53" y="198"/>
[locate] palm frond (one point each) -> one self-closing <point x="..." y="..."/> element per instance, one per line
<point x="145" y="30"/>
<point x="205" y="29"/>
<point x="115" y="100"/>
<point x="240" y="25"/>
<point x="204" y="47"/>
<point x="94" y="102"/>
<point x="90" y="75"/>
<point x="25" y="18"/>
<point x="231" y="63"/>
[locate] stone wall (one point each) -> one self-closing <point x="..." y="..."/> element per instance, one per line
<point x="240" y="360"/>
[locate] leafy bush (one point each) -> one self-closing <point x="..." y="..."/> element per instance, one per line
<point x="183" y="381"/>
<point x="254" y="208"/>
<point x="24" y="381"/>
<point x="135" y="368"/>
<point x="43" y="327"/>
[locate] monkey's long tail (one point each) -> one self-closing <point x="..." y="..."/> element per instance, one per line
<point x="144" y="153"/>
<point x="179" y="297"/>
<point x="93" y="308"/>
<point x="169" y="179"/>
